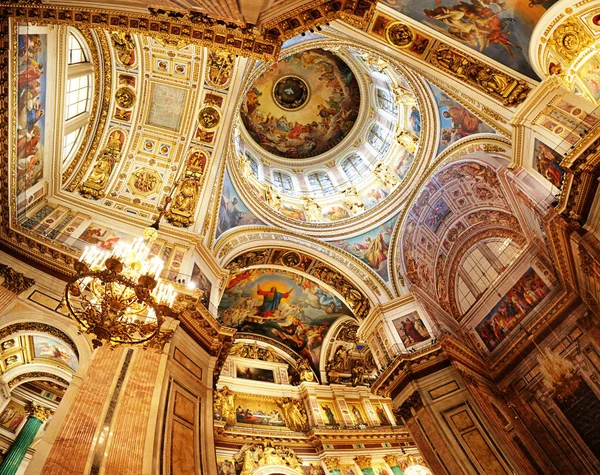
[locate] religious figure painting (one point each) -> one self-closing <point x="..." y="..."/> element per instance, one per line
<point x="547" y="163"/>
<point x="287" y="307"/>
<point x="232" y="211"/>
<point x="225" y="466"/>
<point x="518" y="302"/>
<point x="456" y="121"/>
<point x="313" y="469"/>
<point x="12" y="416"/>
<point x="329" y="415"/>
<point x="257" y="412"/>
<point x="56" y="350"/>
<point x="202" y="283"/>
<point x="382" y="416"/>
<point x="411" y="329"/>
<point x="349" y="470"/>
<point x="372" y="247"/>
<point x="31" y="104"/>
<point x="98" y="235"/>
<point x="303" y="105"/>
<point x="499" y="29"/>
<point x="255" y="374"/>
<point x="357" y="415"/>
<point x="438" y="212"/>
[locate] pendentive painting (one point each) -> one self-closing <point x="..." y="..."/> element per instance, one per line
<point x="287" y="307"/>
<point x="499" y="29"/>
<point x="411" y="329"/>
<point x="303" y="105"/>
<point x="372" y="247"/>
<point x="547" y="162"/>
<point x="456" y="121"/>
<point x="518" y="302"/>
<point x="31" y="104"/>
<point x="55" y="350"/>
<point x="232" y="211"/>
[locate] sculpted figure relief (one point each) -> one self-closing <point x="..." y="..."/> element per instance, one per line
<point x="272" y="198"/>
<point x="352" y="200"/>
<point x="181" y="212"/>
<point x="226" y="404"/>
<point x="97" y="180"/>
<point x="385" y="176"/>
<point x="312" y="209"/>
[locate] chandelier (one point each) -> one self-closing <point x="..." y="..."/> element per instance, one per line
<point x="118" y="295"/>
<point x="559" y="375"/>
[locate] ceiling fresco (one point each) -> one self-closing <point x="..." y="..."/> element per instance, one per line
<point x="303" y="105"/>
<point x="499" y="29"/>
<point x="288" y="307"/>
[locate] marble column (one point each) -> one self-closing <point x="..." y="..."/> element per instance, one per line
<point x="364" y="463"/>
<point x="392" y="461"/>
<point x="333" y="465"/>
<point x="37" y="415"/>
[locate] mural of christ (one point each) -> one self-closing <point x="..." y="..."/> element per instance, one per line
<point x="271" y="301"/>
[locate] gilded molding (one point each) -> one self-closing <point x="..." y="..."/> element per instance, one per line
<point x="39" y="412"/>
<point x="36" y="375"/>
<point x="31" y="327"/>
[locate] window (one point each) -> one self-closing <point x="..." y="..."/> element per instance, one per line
<point x="69" y="142"/>
<point x="78" y="92"/>
<point x="78" y="95"/>
<point x="386" y="101"/>
<point x="377" y="140"/>
<point x="481" y="266"/>
<point x="353" y="167"/>
<point x="77" y="54"/>
<point x="283" y="182"/>
<point x="320" y="182"/>
<point x="253" y="165"/>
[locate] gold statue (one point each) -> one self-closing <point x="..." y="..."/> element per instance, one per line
<point x="352" y="201"/>
<point x="227" y="405"/>
<point x="97" y="180"/>
<point x="385" y="176"/>
<point x="312" y="209"/>
<point x="408" y="140"/>
<point x="181" y="212"/>
<point x="293" y="413"/>
<point x="272" y="198"/>
<point x="304" y="370"/>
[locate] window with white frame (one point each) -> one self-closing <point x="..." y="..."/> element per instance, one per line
<point x="378" y="139"/>
<point x="354" y="167"/>
<point x="78" y="94"/>
<point x="253" y="165"/>
<point x="481" y="266"/>
<point x="320" y="183"/>
<point x="385" y="99"/>
<point x="283" y="182"/>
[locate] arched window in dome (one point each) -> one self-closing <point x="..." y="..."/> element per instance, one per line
<point x="385" y="99"/>
<point x="378" y="139"/>
<point x="283" y="182"/>
<point x="320" y="183"/>
<point x="78" y="96"/>
<point x="481" y="266"/>
<point x="253" y="165"/>
<point x="353" y="167"/>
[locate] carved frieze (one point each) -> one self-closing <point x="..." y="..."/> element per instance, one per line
<point x="14" y="281"/>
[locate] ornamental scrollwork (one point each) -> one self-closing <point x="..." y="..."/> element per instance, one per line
<point x="14" y="281"/>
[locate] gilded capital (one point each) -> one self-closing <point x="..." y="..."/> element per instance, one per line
<point x="39" y="412"/>
<point x="332" y="463"/>
<point x="363" y="461"/>
<point x="391" y="460"/>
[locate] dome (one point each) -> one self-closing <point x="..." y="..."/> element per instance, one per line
<point x="303" y="106"/>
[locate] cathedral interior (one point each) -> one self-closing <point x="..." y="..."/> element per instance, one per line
<point x="327" y="237"/>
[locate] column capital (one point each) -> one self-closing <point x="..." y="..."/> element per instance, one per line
<point x="391" y="460"/>
<point x="39" y="412"/>
<point x="332" y="463"/>
<point x="363" y="461"/>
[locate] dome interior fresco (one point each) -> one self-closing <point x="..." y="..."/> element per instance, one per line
<point x="303" y="105"/>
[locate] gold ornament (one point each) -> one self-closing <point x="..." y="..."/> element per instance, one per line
<point x="125" y="97"/>
<point x="332" y="463"/>
<point x="209" y="117"/>
<point x="391" y="460"/>
<point x="181" y="212"/>
<point x="13" y="280"/>
<point x="93" y="187"/>
<point x="399" y="34"/>
<point x="569" y="40"/>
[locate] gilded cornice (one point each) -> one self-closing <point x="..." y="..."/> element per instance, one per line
<point x="35" y="327"/>
<point x="36" y="376"/>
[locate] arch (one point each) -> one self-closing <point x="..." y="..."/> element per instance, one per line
<point x="246" y="239"/>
